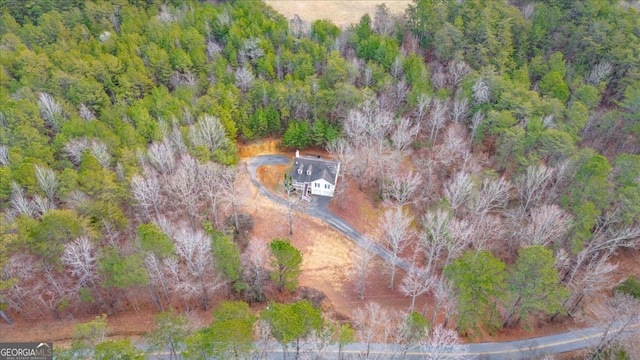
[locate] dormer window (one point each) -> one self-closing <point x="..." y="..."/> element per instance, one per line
<point x="299" y="171"/>
<point x="308" y="172"/>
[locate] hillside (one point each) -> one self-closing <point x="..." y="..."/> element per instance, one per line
<point x="493" y="146"/>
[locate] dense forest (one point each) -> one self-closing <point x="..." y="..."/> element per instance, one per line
<point x="503" y="137"/>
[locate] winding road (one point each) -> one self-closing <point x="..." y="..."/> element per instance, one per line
<point x="520" y="349"/>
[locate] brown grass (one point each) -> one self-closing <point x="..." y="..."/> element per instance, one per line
<point x="340" y="12"/>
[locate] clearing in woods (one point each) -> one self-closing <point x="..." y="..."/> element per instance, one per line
<point x="340" y="12"/>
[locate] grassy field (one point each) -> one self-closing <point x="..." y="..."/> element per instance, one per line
<point x="341" y="12"/>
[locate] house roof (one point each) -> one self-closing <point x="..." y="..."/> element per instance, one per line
<point x="312" y="168"/>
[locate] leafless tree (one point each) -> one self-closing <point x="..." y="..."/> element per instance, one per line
<point x="485" y="229"/>
<point x="250" y="50"/>
<point x="254" y="270"/>
<point x="42" y="204"/>
<point x="344" y="152"/>
<point x="162" y="156"/>
<point x="531" y="185"/>
<point x="185" y="186"/>
<point x="194" y="249"/>
<point x="548" y="223"/>
<point x="20" y="202"/>
<point x="417" y="282"/>
<point x="208" y="132"/>
<point x="244" y="78"/>
<point x="360" y="268"/>
<point x="493" y="195"/>
<point x="383" y="22"/>
<point x="422" y="108"/>
<point x="396" y="232"/>
<point x="481" y="93"/>
<point x="434" y="237"/>
<point x="599" y="73"/>
<point x="460" y="109"/>
<point x="298" y="27"/>
<point x="457" y="71"/>
<point x="403" y="136"/>
<point x="47" y="181"/>
<point x="100" y="152"/>
<point x="527" y="10"/>
<point x="439" y="78"/>
<point x="80" y="257"/>
<point x="50" y="110"/>
<point x="229" y="184"/>
<point x="459" y="236"/>
<point x="212" y="188"/>
<point x="147" y="193"/>
<point x="476" y="121"/>
<point x="617" y="318"/>
<point x="401" y="187"/>
<point x="157" y="279"/>
<point x="444" y="344"/>
<point x="458" y="192"/>
<point x="396" y="68"/>
<point x="75" y="148"/>
<point x="437" y="118"/>
<point x="4" y="155"/>
<point x="445" y="300"/>
<point x="86" y="114"/>
<point x="370" y="321"/>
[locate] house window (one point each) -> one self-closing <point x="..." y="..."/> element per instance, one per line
<point x="316" y="185"/>
<point x="327" y="186"/>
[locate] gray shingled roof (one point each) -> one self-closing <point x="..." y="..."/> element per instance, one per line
<point x="314" y="168"/>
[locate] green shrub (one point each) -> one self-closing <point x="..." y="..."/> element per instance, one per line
<point x="630" y="286"/>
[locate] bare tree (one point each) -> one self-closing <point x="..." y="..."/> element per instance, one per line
<point x="80" y="257"/>
<point x="599" y="73"/>
<point x="437" y="118"/>
<point x="360" y="268"/>
<point x="445" y="300"/>
<point x="493" y="195"/>
<point x="250" y="50"/>
<point x="50" y="110"/>
<point x="396" y="231"/>
<point x="476" y="121"/>
<point x="162" y="156"/>
<point x="370" y="321"/>
<point x="185" y="186"/>
<point x="194" y="249"/>
<point x="401" y="187"/>
<point x="4" y="155"/>
<point x="403" y="136"/>
<point x="434" y="236"/>
<point x="47" y="181"/>
<point x="415" y="283"/>
<point x="444" y="344"/>
<point x="208" y="132"/>
<point x="481" y="93"/>
<point x="20" y="202"/>
<point x="548" y="223"/>
<point x="457" y="71"/>
<point x="344" y="152"/>
<point x="213" y="189"/>
<point x="422" y="108"/>
<point x="42" y="204"/>
<point x="147" y="193"/>
<point x="229" y="183"/>
<point x="86" y="114"/>
<point x="458" y="192"/>
<point x="460" y="109"/>
<point x="486" y="228"/>
<point x="254" y="268"/>
<point x="100" y="152"/>
<point x="244" y="78"/>
<point x="531" y="185"/>
<point x="383" y="22"/>
<point x="617" y="318"/>
<point x="75" y="148"/>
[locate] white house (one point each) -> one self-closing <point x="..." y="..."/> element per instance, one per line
<point x="313" y="175"/>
